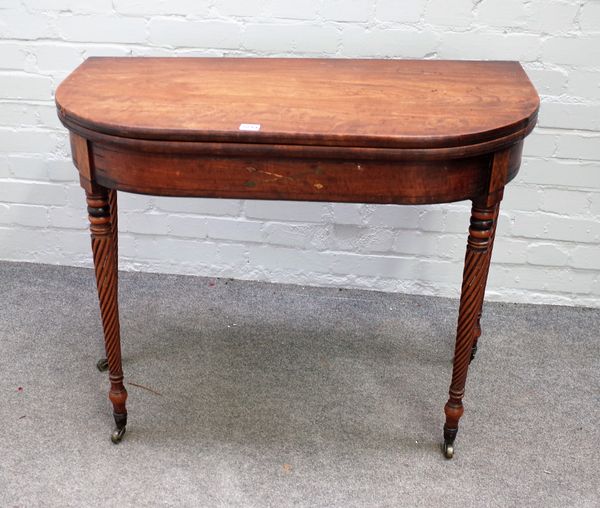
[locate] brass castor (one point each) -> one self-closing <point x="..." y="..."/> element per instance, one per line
<point x="117" y="435"/>
<point x="448" y="449"/>
<point x="102" y="364"/>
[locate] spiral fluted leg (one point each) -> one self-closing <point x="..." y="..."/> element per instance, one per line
<point x="477" y="332"/>
<point x="102" y="364"/>
<point x="477" y="262"/>
<point x="102" y="210"/>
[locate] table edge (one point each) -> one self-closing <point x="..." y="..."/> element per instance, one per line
<point x="236" y="149"/>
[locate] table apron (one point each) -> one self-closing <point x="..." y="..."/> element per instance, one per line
<point x="289" y="178"/>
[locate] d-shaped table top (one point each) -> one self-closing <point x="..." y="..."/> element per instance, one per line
<point x="403" y="104"/>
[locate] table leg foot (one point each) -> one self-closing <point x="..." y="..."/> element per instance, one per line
<point x="448" y="449"/>
<point x="448" y="446"/>
<point x="121" y="425"/>
<point x="102" y="364"/>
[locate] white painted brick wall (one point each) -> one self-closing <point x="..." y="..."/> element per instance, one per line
<point x="548" y="245"/>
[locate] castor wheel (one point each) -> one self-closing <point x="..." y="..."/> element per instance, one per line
<point x="117" y="435"/>
<point x="448" y="449"/>
<point x="102" y="365"/>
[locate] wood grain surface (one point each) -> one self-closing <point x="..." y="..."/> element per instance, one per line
<point x="324" y="102"/>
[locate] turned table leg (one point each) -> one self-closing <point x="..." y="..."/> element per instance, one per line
<point x="102" y="210"/>
<point x="477" y="263"/>
<point x="102" y="364"/>
<point x="477" y="332"/>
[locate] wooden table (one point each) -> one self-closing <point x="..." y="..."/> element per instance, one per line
<point x="359" y="131"/>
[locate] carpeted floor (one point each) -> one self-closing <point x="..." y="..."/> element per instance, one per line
<point x="251" y="394"/>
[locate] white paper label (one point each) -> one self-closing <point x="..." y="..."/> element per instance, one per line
<point x="250" y="127"/>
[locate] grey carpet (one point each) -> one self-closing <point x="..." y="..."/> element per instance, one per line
<point x="275" y="395"/>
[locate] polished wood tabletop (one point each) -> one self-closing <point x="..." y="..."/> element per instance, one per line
<point x="341" y="130"/>
<point x="362" y="103"/>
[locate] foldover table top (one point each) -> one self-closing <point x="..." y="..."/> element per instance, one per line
<point x="318" y="102"/>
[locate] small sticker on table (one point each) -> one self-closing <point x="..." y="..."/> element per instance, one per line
<point x="250" y="127"/>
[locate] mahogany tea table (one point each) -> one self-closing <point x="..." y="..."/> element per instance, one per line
<point x="355" y="131"/>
